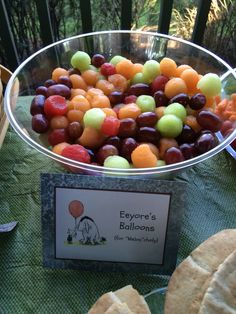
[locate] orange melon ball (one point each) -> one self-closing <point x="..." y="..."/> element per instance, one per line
<point x="129" y="111"/>
<point x="125" y="68"/>
<point x="168" y="67"/>
<point x="79" y="102"/>
<point x="175" y="86"/>
<point x="105" y="86"/>
<point x="75" y="115"/>
<point x="90" y="77"/>
<point x="181" y="68"/>
<point x="57" y="149"/>
<point x="59" y="72"/>
<point x="77" y="91"/>
<point x="191" y="78"/>
<point x="100" y="101"/>
<point x="109" y="112"/>
<point x="143" y="157"/>
<point x="78" y="82"/>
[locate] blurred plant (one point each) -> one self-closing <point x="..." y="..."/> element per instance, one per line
<point x="221" y="23"/>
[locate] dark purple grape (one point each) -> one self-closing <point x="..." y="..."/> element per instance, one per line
<point x="57" y="136"/>
<point x="116" y="97"/>
<point x="65" y="80"/>
<point x="37" y="105"/>
<point x="160" y="98"/>
<point x="74" y="71"/>
<point x="59" y="89"/>
<point x="197" y="101"/>
<point x="188" y="150"/>
<point x="205" y="142"/>
<point x="40" y="123"/>
<point x="106" y="151"/>
<point x="159" y="83"/>
<point x="98" y="60"/>
<point x="75" y="130"/>
<point x="147" y="119"/>
<point x="182" y="99"/>
<point x="173" y="155"/>
<point x="41" y="90"/>
<point x="128" y="128"/>
<point x="127" y="147"/>
<point x="188" y="135"/>
<point x="49" y="82"/>
<point x="139" y="89"/>
<point x="113" y="140"/>
<point x="148" y="135"/>
<point x="209" y="120"/>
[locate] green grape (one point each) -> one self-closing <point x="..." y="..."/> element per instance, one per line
<point x="169" y="125"/>
<point x="94" y="118"/>
<point x="81" y="61"/>
<point x="210" y="84"/>
<point x="146" y="103"/>
<point x="176" y="109"/>
<point x="116" y="162"/>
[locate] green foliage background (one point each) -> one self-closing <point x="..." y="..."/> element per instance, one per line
<point x="66" y="22"/>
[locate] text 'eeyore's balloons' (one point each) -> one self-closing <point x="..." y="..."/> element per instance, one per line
<point x="76" y="208"/>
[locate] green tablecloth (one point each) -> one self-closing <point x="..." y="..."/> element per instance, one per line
<point x="27" y="287"/>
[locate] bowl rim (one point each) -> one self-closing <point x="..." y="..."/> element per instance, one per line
<point x="101" y="169"/>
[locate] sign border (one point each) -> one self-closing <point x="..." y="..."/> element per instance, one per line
<point x="176" y="190"/>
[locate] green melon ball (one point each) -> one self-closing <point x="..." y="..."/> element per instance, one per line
<point x="169" y="125"/>
<point x="176" y="109"/>
<point x="210" y="84"/>
<point x="116" y="162"/>
<point x="161" y="163"/>
<point x="116" y="59"/>
<point x="81" y="61"/>
<point x="94" y="118"/>
<point x="139" y="78"/>
<point x="146" y="103"/>
<point x="151" y="69"/>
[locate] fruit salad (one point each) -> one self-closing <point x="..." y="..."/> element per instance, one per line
<point x="120" y="114"/>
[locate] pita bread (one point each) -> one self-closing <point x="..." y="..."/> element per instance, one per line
<point x="133" y="299"/>
<point x="119" y="308"/>
<point x="191" y="278"/>
<point x="103" y="303"/>
<point x="220" y="297"/>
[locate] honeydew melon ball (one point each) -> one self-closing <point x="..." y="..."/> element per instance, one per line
<point x="161" y="163"/>
<point x="94" y="118"/>
<point x="151" y="69"/>
<point x="139" y="78"/>
<point x="116" y="162"/>
<point x="169" y="125"/>
<point x="116" y="59"/>
<point x="210" y="84"/>
<point x="81" y="61"/>
<point x="176" y="109"/>
<point x="146" y="103"/>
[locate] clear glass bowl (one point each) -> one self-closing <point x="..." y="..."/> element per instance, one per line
<point x="135" y="45"/>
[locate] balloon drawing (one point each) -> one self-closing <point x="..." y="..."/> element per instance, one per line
<point x="76" y="208"/>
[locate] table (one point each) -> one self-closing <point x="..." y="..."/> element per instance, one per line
<point x="27" y="287"/>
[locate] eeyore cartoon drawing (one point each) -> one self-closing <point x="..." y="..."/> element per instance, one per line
<point x="89" y="231"/>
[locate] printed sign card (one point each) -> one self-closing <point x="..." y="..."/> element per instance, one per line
<point x="111" y="223"/>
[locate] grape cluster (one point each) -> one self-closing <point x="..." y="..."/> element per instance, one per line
<point x="121" y="114"/>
